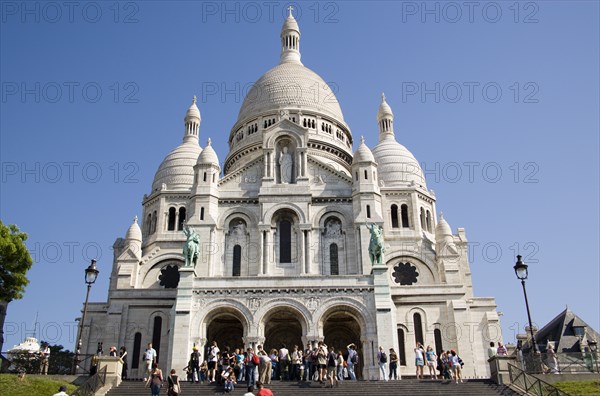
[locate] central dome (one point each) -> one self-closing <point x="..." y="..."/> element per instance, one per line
<point x="290" y="85"/>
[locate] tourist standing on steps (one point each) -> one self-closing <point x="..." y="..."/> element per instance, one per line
<point x="213" y="357"/>
<point x="419" y="360"/>
<point x="491" y="350"/>
<point x="250" y="363"/>
<point x="195" y="364"/>
<point x="155" y="381"/>
<point x="123" y="356"/>
<point x="149" y="360"/>
<point x="456" y="366"/>
<point x="284" y="362"/>
<point x="431" y="358"/>
<point x="393" y="364"/>
<point x="322" y="362"/>
<point x="340" y="366"/>
<point x="382" y="359"/>
<point x="351" y="361"/>
<point x="501" y="351"/>
<point x="331" y="368"/>
<point x="174" y="387"/>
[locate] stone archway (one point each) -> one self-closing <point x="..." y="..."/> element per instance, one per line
<point x="340" y="329"/>
<point x="226" y="329"/>
<point x="282" y="326"/>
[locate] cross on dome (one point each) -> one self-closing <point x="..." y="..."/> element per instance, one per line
<point x="290" y="8"/>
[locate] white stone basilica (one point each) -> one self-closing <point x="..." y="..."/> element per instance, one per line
<point x="284" y="241"/>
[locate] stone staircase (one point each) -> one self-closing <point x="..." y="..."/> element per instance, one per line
<point x="405" y="387"/>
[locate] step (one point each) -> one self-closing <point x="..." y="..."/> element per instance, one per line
<point x="412" y="387"/>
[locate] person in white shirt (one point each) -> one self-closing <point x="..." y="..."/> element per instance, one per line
<point x="284" y="362"/>
<point x="491" y="350"/>
<point x="149" y="359"/>
<point x="250" y="391"/>
<point x="213" y="358"/>
<point x="62" y="391"/>
<point x="45" y="359"/>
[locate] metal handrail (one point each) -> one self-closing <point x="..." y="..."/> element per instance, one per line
<point x="559" y="363"/>
<point x="530" y="384"/>
<point x="94" y="383"/>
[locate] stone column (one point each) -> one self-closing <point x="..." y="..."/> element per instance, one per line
<point x="180" y="341"/>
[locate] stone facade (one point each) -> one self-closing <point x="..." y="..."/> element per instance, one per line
<point x="284" y="241"/>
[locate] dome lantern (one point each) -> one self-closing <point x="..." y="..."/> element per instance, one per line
<point x="290" y="40"/>
<point x="385" y="119"/>
<point x="192" y="122"/>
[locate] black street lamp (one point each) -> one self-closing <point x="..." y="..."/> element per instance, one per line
<point x="91" y="274"/>
<point x="593" y="345"/>
<point x="522" y="273"/>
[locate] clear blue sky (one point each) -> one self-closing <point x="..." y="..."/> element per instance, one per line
<point x="499" y="103"/>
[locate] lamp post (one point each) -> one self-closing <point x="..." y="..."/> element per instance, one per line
<point x="91" y="274"/>
<point x="594" y="350"/>
<point x="522" y="273"/>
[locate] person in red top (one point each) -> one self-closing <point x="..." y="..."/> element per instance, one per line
<point x="262" y="391"/>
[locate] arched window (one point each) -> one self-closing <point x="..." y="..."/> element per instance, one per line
<point x="181" y="219"/>
<point x="422" y="218"/>
<point x="149" y="224"/>
<point x="237" y="261"/>
<point x="285" y="242"/>
<point x="156" y="332"/>
<point x="395" y="216"/>
<point x="204" y="177"/>
<point x="401" y="347"/>
<point x="418" y="328"/>
<point x="356" y="175"/>
<point x="437" y="336"/>
<point x="333" y="259"/>
<point x="202" y="213"/>
<point x="171" y="221"/>
<point x="154" y="216"/>
<point x="428" y="221"/>
<point x="366" y="175"/>
<point x="368" y="211"/>
<point x="404" y="215"/>
<point x="137" y="348"/>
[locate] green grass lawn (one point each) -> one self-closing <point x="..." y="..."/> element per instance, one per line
<point x="10" y="385"/>
<point x="580" y="388"/>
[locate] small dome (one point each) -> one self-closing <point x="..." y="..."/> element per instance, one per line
<point x="384" y="109"/>
<point x="363" y="153"/>
<point x="193" y="111"/>
<point x="177" y="169"/>
<point x="397" y="166"/>
<point x="208" y="155"/>
<point x="443" y="228"/>
<point x="134" y="233"/>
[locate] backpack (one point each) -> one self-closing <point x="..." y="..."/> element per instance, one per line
<point x="383" y="357"/>
<point x="331" y="361"/>
<point x="354" y="358"/>
<point x="255" y="359"/>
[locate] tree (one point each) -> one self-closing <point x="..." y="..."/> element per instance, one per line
<point x="15" y="261"/>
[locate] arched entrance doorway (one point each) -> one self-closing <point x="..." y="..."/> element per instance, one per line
<point x="226" y="328"/>
<point x="283" y="326"/>
<point x="340" y="329"/>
